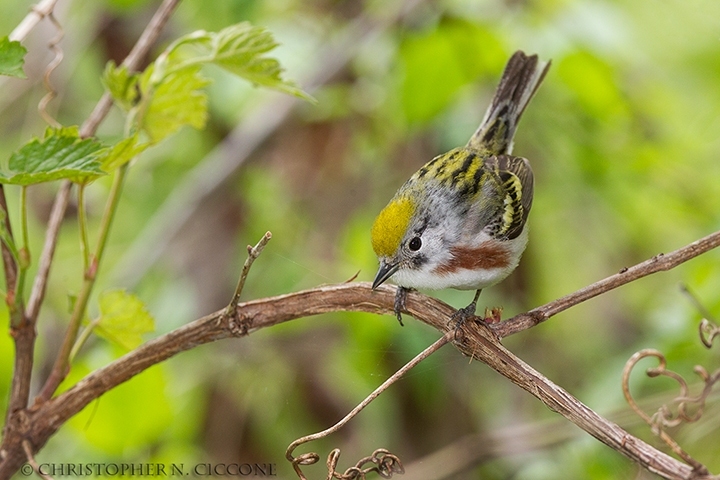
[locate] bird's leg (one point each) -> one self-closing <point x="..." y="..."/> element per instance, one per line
<point x="464" y="314"/>
<point x="400" y="297"/>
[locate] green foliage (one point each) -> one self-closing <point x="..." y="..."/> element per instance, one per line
<point x="122" y="152"/>
<point x="121" y="84"/>
<point x="60" y="154"/>
<point x="12" y="56"/>
<point x="239" y="49"/>
<point x="591" y="80"/>
<point x="123" y="319"/>
<point x="175" y="101"/>
<point x="170" y="94"/>
<point x="147" y="422"/>
<point x="437" y="63"/>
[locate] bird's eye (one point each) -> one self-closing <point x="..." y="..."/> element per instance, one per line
<point x="415" y="244"/>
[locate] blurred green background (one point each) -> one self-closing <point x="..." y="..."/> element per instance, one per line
<point x="624" y="139"/>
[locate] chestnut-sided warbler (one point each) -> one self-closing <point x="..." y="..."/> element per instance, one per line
<point x="460" y="221"/>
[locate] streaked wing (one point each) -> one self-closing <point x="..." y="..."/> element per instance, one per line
<point x="516" y="180"/>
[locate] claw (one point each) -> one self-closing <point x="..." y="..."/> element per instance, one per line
<point x="462" y="315"/>
<point x="400" y="297"/>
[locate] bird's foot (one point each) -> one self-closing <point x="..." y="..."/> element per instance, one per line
<point x="462" y="315"/>
<point x="399" y="307"/>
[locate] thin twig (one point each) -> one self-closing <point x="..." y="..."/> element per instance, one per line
<point x="61" y="367"/>
<point x="132" y="62"/>
<point x="53" y="229"/>
<point x="310" y="458"/>
<point x="702" y="309"/>
<point x="36" y="14"/>
<point x="478" y="342"/>
<point x="658" y="263"/>
<point x="253" y="254"/>
<point x="148" y="37"/>
<point x="33" y="463"/>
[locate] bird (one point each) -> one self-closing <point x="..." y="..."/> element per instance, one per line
<point x="460" y="221"/>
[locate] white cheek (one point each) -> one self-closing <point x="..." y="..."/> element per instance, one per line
<point x="433" y="249"/>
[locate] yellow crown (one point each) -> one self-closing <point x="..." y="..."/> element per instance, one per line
<point x="390" y="226"/>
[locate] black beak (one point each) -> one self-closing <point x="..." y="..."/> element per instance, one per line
<point x="385" y="271"/>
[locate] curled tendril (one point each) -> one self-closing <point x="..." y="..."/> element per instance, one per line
<point x="54" y="63"/>
<point x="708" y="332"/>
<point x="708" y="329"/>
<point x="664" y="417"/>
<point x="382" y="462"/>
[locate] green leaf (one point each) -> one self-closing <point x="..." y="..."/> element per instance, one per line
<point x="169" y="93"/>
<point x="61" y="154"/>
<point x="121" y="84"/>
<point x="176" y="101"/>
<point x="12" y="58"/>
<point x="123" y="319"/>
<point x="121" y="153"/>
<point x="239" y="49"/>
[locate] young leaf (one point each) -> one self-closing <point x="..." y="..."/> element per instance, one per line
<point x="121" y="153"/>
<point x="176" y="101"/>
<point x="239" y="49"/>
<point x="12" y="58"/>
<point x="61" y="154"/>
<point x="121" y="84"/>
<point x="123" y="319"/>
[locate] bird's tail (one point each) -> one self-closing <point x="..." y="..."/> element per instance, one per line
<point x="518" y="84"/>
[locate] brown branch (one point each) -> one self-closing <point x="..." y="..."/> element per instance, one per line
<point x="658" y="263"/>
<point x="24" y="338"/>
<point x="477" y="341"/>
<point x="253" y="254"/>
<point x="23" y="334"/>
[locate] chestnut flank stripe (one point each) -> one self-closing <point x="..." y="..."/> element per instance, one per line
<point x="487" y="256"/>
